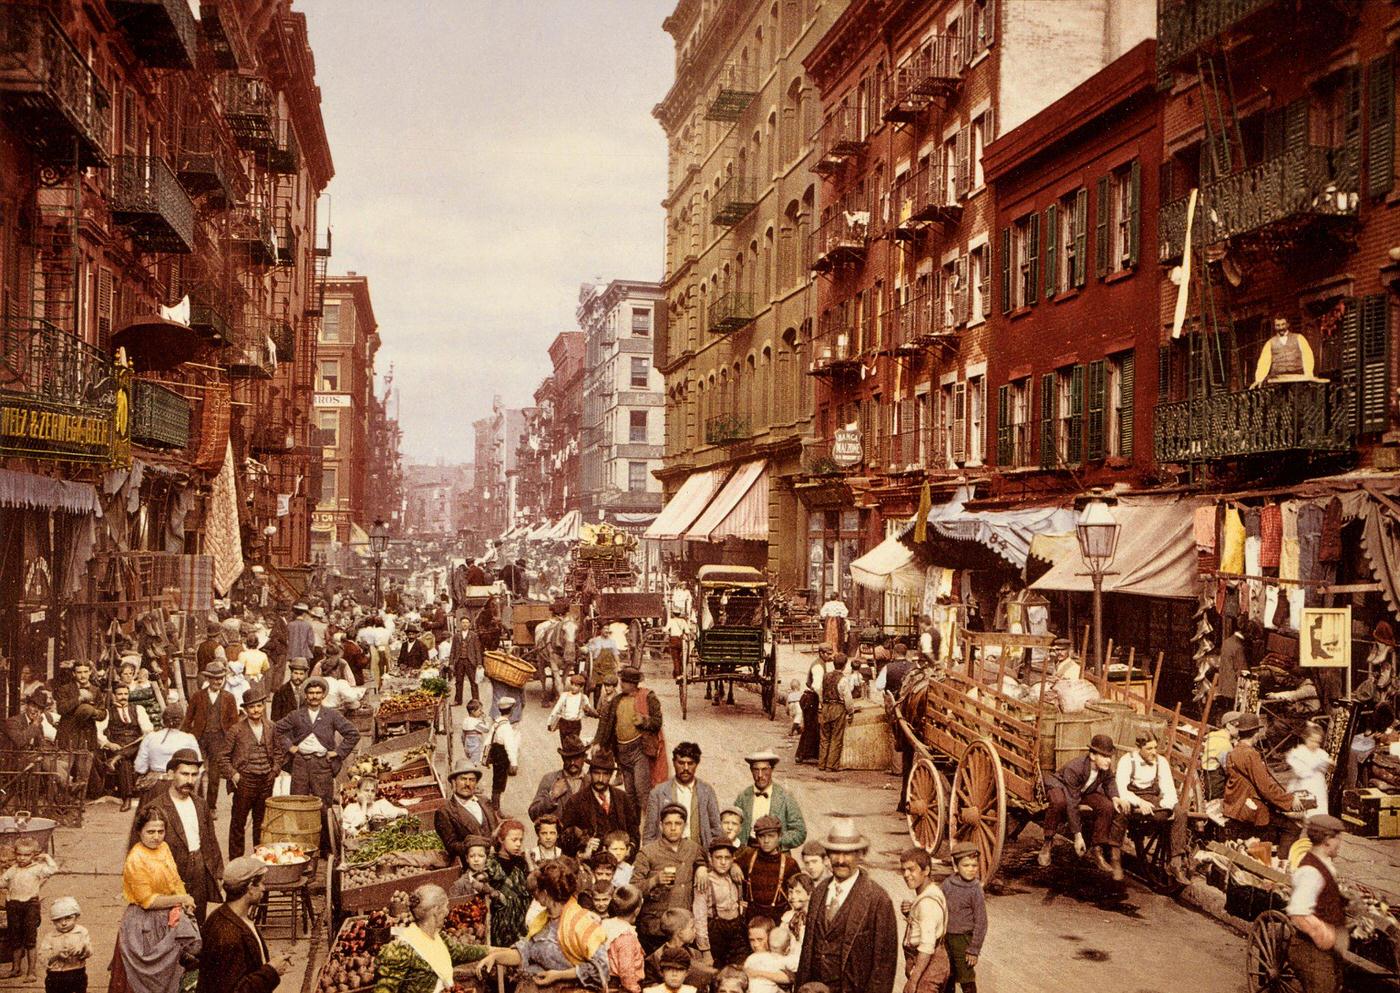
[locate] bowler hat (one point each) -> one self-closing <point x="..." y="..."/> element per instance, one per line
<point x="185" y="756"/>
<point x="315" y="681"/>
<point x="1101" y="744"/>
<point x="1248" y="723"/>
<point x="573" y="748"/>
<point x="299" y="663"/>
<point x="601" y="758"/>
<point x="255" y="694"/>
<point x="842" y="836"/>
<point x="631" y="674"/>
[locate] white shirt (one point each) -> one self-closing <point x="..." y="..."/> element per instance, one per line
<point x="761" y="804"/>
<point x="1307" y="887"/>
<point x="569" y="707"/>
<point x="1133" y="771"/>
<point x="685" y="796"/>
<point x="311" y="745"/>
<point x="158" y="746"/>
<point x="142" y="720"/>
<point x="837" y="892"/>
<point x="189" y="820"/>
<point x="473" y="807"/>
<point x="503" y="731"/>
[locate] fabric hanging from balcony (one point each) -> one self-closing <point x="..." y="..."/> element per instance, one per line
<point x="740" y="510"/>
<point x="682" y="509"/>
<point x="889" y="565"/>
<point x="222" y="537"/>
<point x="988" y="539"/>
<point x="26" y="491"/>
<point x="1156" y="555"/>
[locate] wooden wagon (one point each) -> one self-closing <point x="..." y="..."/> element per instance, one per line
<point x="734" y="643"/>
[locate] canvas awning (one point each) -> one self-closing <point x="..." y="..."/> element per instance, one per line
<point x="740" y="510"/>
<point x="889" y="565"/>
<point x="989" y="539"/>
<point x="1156" y="555"/>
<point x="567" y="527"/>
<point x="539" y="532"/>
<point x="689" y="502"/>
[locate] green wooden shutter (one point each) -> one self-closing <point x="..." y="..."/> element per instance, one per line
<point x="1134" y="210"/>
<point x="1033" y="255"/>
<point x="1373" y="376"/>
<point x="1074" y="453"/>
<point x="1351" y="129"/>
<point x="1003" y="426"/>
<point x="1050" y="253"/>
<point x="1380" y="150"/>
<point x="1101" y="229"/>
<point x="1164" y="373"/>
<point x="1047" y="421"/>
<point x="1081" y="236"/>
<point x="1127" y="388"/>
<point x="1094" y="426"/>
<point x="1349" y="356"/>
<point x="1006" y="270"/>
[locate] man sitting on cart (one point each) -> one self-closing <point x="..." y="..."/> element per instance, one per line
<point x="1145" y="781"/>
<point x="1255" y="803"/>
<point x="1317" y="910"/>
<point x="1088" y="780"/>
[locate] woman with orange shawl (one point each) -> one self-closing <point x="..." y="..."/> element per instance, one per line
<point x="157" y="936"/>
<point x="565" y="944"/>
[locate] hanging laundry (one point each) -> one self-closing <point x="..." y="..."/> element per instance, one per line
<point x="1288" y="550"/>
<point x="1232" y="545"/>
<point x="1204" y="526"/>
<point x="1254" y="589"/>
<point x="1329" y="547"/>
<point x="1270" y="535"/>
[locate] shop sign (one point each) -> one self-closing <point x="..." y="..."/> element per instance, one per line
<point x="332" y="399"/>
<point x="1325" y="638"/>
<point x="43" y="430"/>
<point x="846" y="448"/>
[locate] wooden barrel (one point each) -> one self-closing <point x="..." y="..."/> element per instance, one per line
<point x="293" y="818"/>
<point x="1045" y="752"/>
<point x="1121" y="716"/>
<point x="869" y="740"/>
<point x="1073" y="732"/>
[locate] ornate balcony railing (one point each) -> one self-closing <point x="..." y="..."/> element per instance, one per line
<point x="915" y="324"/>
<point x="840" y="239"/>
<point x="285" y="157"/>
<point x="934" y="70"/>
<point x="250" y="227"/>
<point x="730" y="312"/>
<point x="206" y="168"/>
<point x="149" y="201"/>
<point x="1185" y="26"/>
<point x="160" y="417"/>
<point x="250" y="109"/>
<point x="1307" y="183"/>
<point x="920" y="198"/>
<point x="47" y="92"/>
<point x="726" y="429"/>
<point x="58" y="394"/>
<point x="734" y="201"/>
<point x="736" y="88"/>
<point x="163" y="33"/>
<point x="842" y="136"/>
<point x="1273" y="419"/>
<point x="834" y="346"/>
<point x="209" y="311"/>
<point x="222" y="31"/>
<point x="905" y="451"/>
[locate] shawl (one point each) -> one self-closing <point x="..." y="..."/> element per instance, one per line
<point x="148" y="874"/>
<point x="433" y="951"/>
<point x="580" y="932"/>
<point x="659" y="769"/>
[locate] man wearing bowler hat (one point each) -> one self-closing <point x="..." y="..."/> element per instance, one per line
<point x="851" y="942"/>
<point x="211" y="649"/>
<point x="1256" y="803"/>
<point x="318" y="739"/>
<point x="1088" y="780"/>
<point x="464" y="816"/>
<point x="288" y="696"/>
<point x="212" y="714"/>
<point x="189" y="830"/>
<point x="252" y="759"/>
<point x="602" y="807"/>
<point x="556" y="787"/>
<point x="1318" y="910"/>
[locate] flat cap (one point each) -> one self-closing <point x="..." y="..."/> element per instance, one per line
<point x="243" y="870"/>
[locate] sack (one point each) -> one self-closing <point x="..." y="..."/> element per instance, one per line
<point x="282" y="785"/>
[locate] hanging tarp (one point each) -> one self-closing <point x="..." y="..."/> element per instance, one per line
<point x="1156" y="555"/>
<point x="567" y="527"/>
<point x="740" y="510"/>
<point x="540" y="532"/>
<point x="26" y="491"/>
<point x="688" y="503"/>
<point x="221" y="532"/>
<point x="989" y="539"/>
<point x="890" y="565"/>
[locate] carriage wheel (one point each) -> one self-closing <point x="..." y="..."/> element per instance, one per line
<point x="927" y="804"/>
<point x="1152" y="856"/>
<point x="769" y="688"/>
<point x="977" y="808"/>
<point x="1266" y="963"/>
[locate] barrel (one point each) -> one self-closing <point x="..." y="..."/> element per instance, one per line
<point x="1121" y="715"/>
<point x="1045" y="747"/>
<point x="869" y="740"/>
<point x="293" y="818"/>
<point x="1074" y="731"/>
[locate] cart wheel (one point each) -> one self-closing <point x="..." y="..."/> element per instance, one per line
<point x="1152" y="856"/>
<point x="977" y="809"/>
<point x="769" y="691"/>
<point x="1266" y="963"/>
<point x="927" y="803"/>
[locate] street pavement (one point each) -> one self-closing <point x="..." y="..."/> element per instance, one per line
<point x="1049" y="929"/>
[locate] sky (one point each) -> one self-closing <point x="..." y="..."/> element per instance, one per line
<point x="489" y="158"/>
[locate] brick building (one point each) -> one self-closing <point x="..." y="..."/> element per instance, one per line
<point x="549" y="449"/>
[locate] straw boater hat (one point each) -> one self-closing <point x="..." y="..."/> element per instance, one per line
<point x="767" y="756"/>
<point x="300" y="608"/>
<point x="842" y="836"/>
<point x="505" y="704"/>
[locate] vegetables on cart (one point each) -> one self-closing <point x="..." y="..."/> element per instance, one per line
<point x="434" y="685"/>
<point x="404" y="835"/>
<point x="395" y="865"/>
<point x="405" y="703"/>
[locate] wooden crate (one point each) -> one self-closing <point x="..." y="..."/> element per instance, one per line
<point x="376" y="896"/>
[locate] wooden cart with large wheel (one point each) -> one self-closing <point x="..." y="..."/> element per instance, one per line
<point x="734" y="642"/>
<point x="1268" y="969"/>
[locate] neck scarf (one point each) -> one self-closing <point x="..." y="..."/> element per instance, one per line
<point x="432" y="951"/>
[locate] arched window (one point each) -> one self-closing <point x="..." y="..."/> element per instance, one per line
<point x="765" y="386"/>
<point x="792" y="121"/>
<point x="791" y="247"/>
<point x="773" y="144"/>
<point x="768" y="265"/>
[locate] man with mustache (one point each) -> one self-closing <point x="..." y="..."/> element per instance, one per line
<point x="189" y="830"/>
<point x="602" y="807"/>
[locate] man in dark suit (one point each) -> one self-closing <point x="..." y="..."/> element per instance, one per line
<point x="602" y="807"/>
<point x="288" y="696"/>
<point x="234" y="955"/>
<point x="212" y="715"/>
<point x="211" y="649"/>
<point x="1088" y="780"/>
<point x="413" y="654"/>
<point x="851" y="941"/>
<point x="318" y="739"/>
<point x="556" y="787"/>
<point x="24" y="731"/>
<point x="189" y="830"/>
<point x="464" y="816"/>
<point x="253" y="758"/>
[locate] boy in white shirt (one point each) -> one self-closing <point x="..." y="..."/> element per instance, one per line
<point x="794" y="707"/>
<point x="570" y="710"/>
<point x="474" y="728"/>
<point x="546" y="841"/>
<point x="367" y="806"/>
<point x="502" y="750"/>
<point x="764" y="964"/>
<point x="64" y="953"/>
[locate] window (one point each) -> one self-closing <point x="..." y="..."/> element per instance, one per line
<point x="982" y="135"/>
<point x="328" y="480"/>
<point x="1122" y="382"/>
<point x="1122" y="212"/>
<point x="1064" y="243"/>
<point x="641" y="372"/>
<point x="977" y="409"/>
<point x="1118" y="219"/>
<point x="330" y="376"/>
<point x="1069" y="415"/>
<point x="945" y="426"/>
<point x="330" y="323"/>
<point x="329" y="423"/>
<point x="979" y="280"/>
<point x="641" y="321"/>
<point x="637" y="427"/>
<point x="1024" y="277"/>
<point x="1020" y="421"/>
<point x="636" y="477"/>
<point x="950" y="170"/>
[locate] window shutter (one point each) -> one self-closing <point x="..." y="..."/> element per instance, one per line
<point x="1351" y="126"/>
<point x="104" y="308"/>
<point x="1380" y="150"/>
<point x="1003" y="426"/>
<point x="1373" y="379"/>
<point x="1350" y="351"/>
<point x="959" y="422"/>
<point x="1094" y="429"/>
<point x="1006" y="270"/>
<point x="1047" y="421"/>
<point x="1127" y="388"/>
<point x="1101" y="230"/>
<point x="989" y="22"/>
<point x="985" y="272"/>
<point x="1164" y="373"/>
<point x="968" y="35"/>
<point x="989" y="126"/>
<point x="1164" y="182"/>
<point x="963" y="299"/>
<point x="964" y="152"/>
<point x="1033" y="256"/>
<point x="1051" y="233"/>
<point x="1081" y="234"/>
<point x="1074" y="428"/>
<point x="935" y="303"/>
<point x="1134" y="210"/>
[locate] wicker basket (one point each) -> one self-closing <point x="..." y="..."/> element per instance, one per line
<point x="509" y="669"/>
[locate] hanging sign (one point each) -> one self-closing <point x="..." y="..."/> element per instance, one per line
<point x="42" y="430"/>
<point x="846" y="448"/>
<point x="1325" y="638"/>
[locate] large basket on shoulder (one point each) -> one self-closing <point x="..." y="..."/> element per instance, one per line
<point x="508" y="669"/>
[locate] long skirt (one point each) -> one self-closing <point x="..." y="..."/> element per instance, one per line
<point x="150" y="949"/>
<point x="809" y="745"/>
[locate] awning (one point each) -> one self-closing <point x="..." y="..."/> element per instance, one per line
<point x="155" y="342"/>
<point x="989" y="539"/>
<point x="567" y="527"/>
<point x="539" y="532"/>
<point x="889" y="565"/>
<point x="1156" y="555"/>
<point x="26" y="491"/>
<point x="740" y="510"/>
<point x="682" y="509"/>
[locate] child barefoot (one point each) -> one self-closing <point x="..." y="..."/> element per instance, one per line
<point x="22" y="882"/>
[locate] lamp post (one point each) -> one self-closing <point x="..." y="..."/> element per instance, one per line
<point x="1098" y="542"/>
<point x="378" y="545"/>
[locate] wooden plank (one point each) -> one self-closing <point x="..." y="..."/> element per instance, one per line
<point x="984" y="639"/>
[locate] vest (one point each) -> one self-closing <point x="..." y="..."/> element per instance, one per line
<point x="1331" y="908"/>
<point x="214" y="723"/>
<point x="831" y="686"/>
<point x="830" y="941"/>
<point x="123" y="732"/>
<point x="1285" y="357"/>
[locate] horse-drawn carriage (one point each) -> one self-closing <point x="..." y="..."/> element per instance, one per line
<point x="734" y="643"/>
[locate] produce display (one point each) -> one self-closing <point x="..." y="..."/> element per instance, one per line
<point x="402" y="796"/>
<point x="350" y="964"/>
<point x="435" y="685"/>
<point x="369" y="766"/>
<point x="395" y="865"/>
<point x="406" y="703"/>
<point x="404" y="836"/>
<point x="281" y="853"/>
<point x="468" y="922"/>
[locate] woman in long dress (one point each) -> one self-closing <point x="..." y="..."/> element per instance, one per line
<point x="157" y="936"/>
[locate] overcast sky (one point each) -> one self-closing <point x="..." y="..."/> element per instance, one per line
<point x="489" y="157"/>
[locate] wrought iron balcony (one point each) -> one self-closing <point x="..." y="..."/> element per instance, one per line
<point x="905" y="451"/>
<point x="206" y="168"/>
<point x="922" y="198"/>
<point x="736" y="88"/>
<point x="916" y="324"/>
<point x="222" y="31"/>
<point x="161" y="32"/>
<point x="209" y="311"/>
<point x="1273" y="419"/>
<point x="1280" y="196"/>
<point x="149" y="201"/>
<point x="933" y="71"/>
<point x="286" y="242"/>
<point x="250" y="228"/>
<point x="160" y="417"/>
<point x="316" y="276"/>
<point x="251" y="111"/>
<point x="274" y="438"/>
<point x="284" y="158"/>
<point x="730" y="312"/>
<point x="48" y="95"/>
<point x="726" y="429"/>
<point x="734" y="201"/>
<point x="57" y="394"/>
<point x="833" y="348"/>
<point x="250" y="352"/>
<point x="1186" y="26"/>
<point x="817" y="459"/>
<point x="840" y="240"/>
<point x="842" y="136"/>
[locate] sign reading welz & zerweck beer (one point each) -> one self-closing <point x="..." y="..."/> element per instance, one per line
<point x="38" y="429"/>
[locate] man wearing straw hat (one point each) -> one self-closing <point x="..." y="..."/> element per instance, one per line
<point x="252" y="757"/>
<point x="851" y="942"/>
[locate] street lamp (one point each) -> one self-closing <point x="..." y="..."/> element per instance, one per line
<point x="1098" y="542"/>
<point x="378" y="545"/>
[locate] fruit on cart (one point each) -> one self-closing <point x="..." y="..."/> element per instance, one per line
<point x="350" y="965"/>
<point x="405" y="703"/>
<point x="369" y="766"/>
<point x="467" y="922"/>
<point x="281" y="853"/>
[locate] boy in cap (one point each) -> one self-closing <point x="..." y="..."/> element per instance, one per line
<point x="766" y="870"/>
<point x="64" y="952"/>
<point x="675" y="965"/>
<point x="1317" y="910"/>
<point x="502" y="750"/>
<point x="967" y="916"/>
<point x="570" y="709"/>
<point x="1255" y="802"/>
<point x="719" y="908"/>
